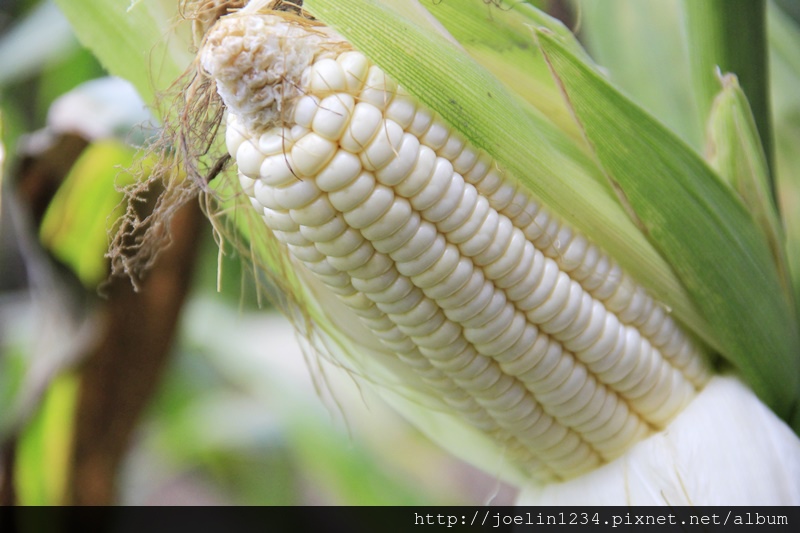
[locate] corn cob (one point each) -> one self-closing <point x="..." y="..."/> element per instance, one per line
<point x="526" y="329"/>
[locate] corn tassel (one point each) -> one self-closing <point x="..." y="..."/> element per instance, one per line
<point x="528" y="331"/>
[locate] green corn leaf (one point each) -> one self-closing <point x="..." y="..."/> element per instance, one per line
<point x="642" y="46"/>
<point x="730" y="35"/>
<point x="500" y="41"/>
<point x="733" y="148"/>
<point x="138" y="40"/>
<point x="498" y="38"/>
<point x="697" y="223"/>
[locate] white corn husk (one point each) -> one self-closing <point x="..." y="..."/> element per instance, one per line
<point x="725" y="448"/>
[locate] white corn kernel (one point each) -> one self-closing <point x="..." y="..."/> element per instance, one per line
<point x="524" y="327"/>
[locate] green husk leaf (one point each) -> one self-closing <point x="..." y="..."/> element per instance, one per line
<point x="139" y="40"/>
<point x="731" y="35"/>
<point x="496" y="120"/>
<point x="641" y="45"/>
<point x="734" y="150"/>
<point x="499" y="40"/>
<point x="698" y="224"/>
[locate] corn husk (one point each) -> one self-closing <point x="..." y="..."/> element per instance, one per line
<point x="725" y="448"/>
